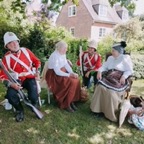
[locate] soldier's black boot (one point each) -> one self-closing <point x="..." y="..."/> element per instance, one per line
<point x="19" y="117"/>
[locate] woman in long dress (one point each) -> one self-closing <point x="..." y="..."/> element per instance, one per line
<point x="112" y="77"/>
<point x="61" y="79"/>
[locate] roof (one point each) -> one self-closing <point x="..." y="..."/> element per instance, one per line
<point x="112" y="14"/>
<point x="104" y="2"/>
<point x="119" y="8"/>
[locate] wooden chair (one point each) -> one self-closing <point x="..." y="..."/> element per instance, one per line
<point x="43" y="83"/>
<point x="130" y="78"/>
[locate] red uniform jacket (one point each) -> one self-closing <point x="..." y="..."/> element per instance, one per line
<point x="17" y="67"/>
<point x="90" y="62"/>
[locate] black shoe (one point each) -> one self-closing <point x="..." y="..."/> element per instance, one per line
<point x="70" y="109"/>
<point x="98" y="115"/>
<point x="19" y="116"/>
<point x="74" y="106"/>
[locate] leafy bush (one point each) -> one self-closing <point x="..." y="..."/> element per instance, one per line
<point x="73" y="50"/>
<point x="138" y="64"/>
<point x="105" y="46"/>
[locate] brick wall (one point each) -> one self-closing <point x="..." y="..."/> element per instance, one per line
<point x="82" y="21"/>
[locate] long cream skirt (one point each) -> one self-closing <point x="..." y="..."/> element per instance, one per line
<point x="106" y="101"/>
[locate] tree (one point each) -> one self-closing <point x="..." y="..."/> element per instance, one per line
<point x="129" y="4"/>
<point x="132" y="32"/>
<point x="19" y="5"/>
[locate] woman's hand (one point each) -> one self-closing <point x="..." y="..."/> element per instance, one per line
<point x="122" y="80"/>
<point x="139" y="112"/>
<point x="99" y="75"/>
<point x="74" y="75"/>
<point x="15" y="86"/>
<point x="130" y="112"/>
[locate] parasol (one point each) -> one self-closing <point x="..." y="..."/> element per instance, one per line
<point x="125" y="106"/>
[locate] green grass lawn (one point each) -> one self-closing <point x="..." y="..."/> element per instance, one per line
<point x="61" y="127"/>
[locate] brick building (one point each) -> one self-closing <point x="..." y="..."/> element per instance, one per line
<point x="92" y="19"/>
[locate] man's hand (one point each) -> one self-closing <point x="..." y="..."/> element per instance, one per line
<point x="16" y="86"/>
<point x="87" y="74"/>
<point x="122" y="80"/>
<point x="37" y="76"/>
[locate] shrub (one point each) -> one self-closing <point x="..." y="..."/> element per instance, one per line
<point x="104" y="46"/>
<point x="138" y="64"/>
<point x="73" y="50"/>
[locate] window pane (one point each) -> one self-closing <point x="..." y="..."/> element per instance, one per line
<point x="72" y="11"/>
<point x="103" y="10"/>
<point x="124" y="15"/>
<point x="102" y="32"/>
<point x="72" y="31"/>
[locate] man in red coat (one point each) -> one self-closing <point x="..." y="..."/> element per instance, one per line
<point x="91" y="62"/>
<point x="20" y="62"/>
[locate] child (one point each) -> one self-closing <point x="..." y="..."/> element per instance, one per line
<point x="136" y="113"/>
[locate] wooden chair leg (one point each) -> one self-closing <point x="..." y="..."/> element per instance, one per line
<point x="39" y="100"/>
<point x="48" y="91"/>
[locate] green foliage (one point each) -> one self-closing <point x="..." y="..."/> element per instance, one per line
<point x="129" y="4"/>
<point x="58" y="33"/>
<point x="10" y="22"/>
<point x="73" y="51"/>
<point x="138" y="64"/>
<point x="55" y="5"/>
<point x="132" y="32"/>
<point x="18" y="6"/>
<point x="105" y="45"/>
<point x="36" y="39"/>
<point x="4" y="27"/>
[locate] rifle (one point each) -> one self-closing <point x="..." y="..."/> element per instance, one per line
<point x="21" y="94"/>
<point x="81" y="61"/>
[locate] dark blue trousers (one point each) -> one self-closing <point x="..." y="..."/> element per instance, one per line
<point x="31" y="87"/>
<point x="87" y="82"/>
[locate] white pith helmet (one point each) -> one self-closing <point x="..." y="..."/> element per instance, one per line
<point x="9" y="37"/>
<point x="92" y="44"/>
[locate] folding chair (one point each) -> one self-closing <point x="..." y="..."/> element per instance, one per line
<point x="43" y="83"/>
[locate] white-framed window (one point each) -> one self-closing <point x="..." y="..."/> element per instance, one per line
<point x="72" y="31"/>
<point x="102" y="32"/>
<point x="103" y="10"/>
<point x="72" y="11"/>
<point x="124" y="15"/>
